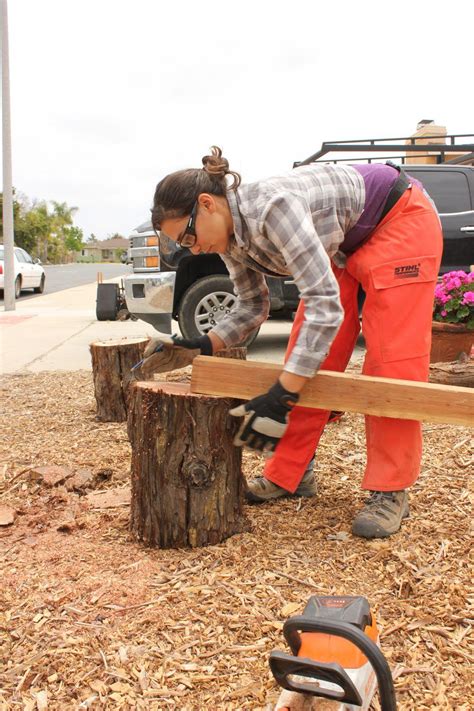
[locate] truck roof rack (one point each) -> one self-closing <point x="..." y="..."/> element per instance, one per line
<point x="401" y="145"/>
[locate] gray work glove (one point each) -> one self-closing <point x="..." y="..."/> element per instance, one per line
<point x="165" y="353"/>
<point x="266" y="418"/>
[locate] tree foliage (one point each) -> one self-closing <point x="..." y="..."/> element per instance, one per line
<point x="45" y="230"/>
<point x="73" y="237"/>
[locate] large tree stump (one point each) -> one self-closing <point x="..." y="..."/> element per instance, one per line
<point x="111" y="364"/>
<point x="187" y="486"/>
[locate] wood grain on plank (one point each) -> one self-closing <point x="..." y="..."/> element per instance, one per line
<point x="385" y="397"/>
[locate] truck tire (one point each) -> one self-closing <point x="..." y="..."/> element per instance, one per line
<point x="108" y="302"/>
<point x="205" y="303"/>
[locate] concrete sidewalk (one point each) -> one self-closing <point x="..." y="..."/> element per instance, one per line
<point x="53" y="332"/>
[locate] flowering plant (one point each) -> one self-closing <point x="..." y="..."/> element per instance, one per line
<point x="454" y="299"/>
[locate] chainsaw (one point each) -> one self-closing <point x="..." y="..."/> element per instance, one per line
<point x="336" y="662"/>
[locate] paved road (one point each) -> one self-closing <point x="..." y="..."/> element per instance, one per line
<point x="65" y="276"/>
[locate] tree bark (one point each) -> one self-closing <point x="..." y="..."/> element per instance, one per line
<point x="237" y="353"/>
<point x="458" y="372"/>
<point x="111" y="364"/>
<point x="187" y="486"/>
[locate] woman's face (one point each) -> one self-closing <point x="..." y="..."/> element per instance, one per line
<point x="213" y="225"/>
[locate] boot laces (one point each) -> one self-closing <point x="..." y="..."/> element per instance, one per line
<point x="264" y="484"/>
<point x="379" y="498"/>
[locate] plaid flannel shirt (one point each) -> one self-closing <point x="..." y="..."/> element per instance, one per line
<point x="291" y="225"/>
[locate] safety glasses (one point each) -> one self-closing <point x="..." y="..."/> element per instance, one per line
<point x="188" y="238"/>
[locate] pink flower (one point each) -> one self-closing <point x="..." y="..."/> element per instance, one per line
<point x="455" y="289"/>
<point x="455" y="279"/>
<point x="454" y="283"/>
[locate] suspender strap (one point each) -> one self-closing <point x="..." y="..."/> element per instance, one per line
<point x="358" y="235"/>
<point x="399" y="187"/>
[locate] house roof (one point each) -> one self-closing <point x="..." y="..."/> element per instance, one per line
<point x="113" y="243"/>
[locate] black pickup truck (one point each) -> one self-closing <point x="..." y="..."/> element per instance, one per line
<point x="169" y="282"/>
<point x="452" y="189"/>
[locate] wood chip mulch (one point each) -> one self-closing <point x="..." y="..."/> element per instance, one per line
<point x="92" y="620"/>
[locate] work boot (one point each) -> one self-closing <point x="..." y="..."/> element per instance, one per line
<point x="382" y="514"/>
<point x="261" y="489"/>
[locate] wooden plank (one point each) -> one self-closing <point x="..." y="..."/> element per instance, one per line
<point x="385" y="397"/>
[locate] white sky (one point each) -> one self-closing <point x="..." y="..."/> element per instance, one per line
<point x="109" y="96"/>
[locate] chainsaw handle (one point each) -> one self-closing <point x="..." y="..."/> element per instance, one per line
<point x="284" y="667"/>
<point x="300" y="623"/>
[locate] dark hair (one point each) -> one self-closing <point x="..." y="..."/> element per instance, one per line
<point x="176" y="194"/>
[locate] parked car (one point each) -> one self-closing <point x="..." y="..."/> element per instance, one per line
<point x="170" y="282"/>
<point x="29" y="274"/>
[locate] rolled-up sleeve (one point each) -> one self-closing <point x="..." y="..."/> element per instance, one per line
<point x="252" y="306"/>
<point x="289" y="226"/>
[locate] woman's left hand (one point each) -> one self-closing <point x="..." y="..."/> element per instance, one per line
<point x="166" y="353"/>
<point x="266" y="418"/>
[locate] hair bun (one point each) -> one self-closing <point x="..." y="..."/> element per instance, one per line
<point x="218" y="166"/>
<point x="215" y="164"/>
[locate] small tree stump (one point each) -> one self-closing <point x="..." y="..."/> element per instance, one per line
<point x="111" y="364"/>
<point x="187" y="485"/>
<point x="183" y="375"/>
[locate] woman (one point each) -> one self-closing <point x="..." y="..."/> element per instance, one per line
<point x="332" y="228"/>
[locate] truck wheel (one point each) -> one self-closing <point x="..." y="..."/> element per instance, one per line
<point x="107" y="306"/>
<point x="205" y="303"/>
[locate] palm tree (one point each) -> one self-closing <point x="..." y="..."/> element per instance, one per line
<point x="62" y="218"/>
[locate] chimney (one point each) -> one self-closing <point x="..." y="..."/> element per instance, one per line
<point x="423" y="122"/>
<point x="427" y="131"/>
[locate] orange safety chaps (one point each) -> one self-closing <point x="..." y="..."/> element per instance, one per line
<point x="397" y="268"/>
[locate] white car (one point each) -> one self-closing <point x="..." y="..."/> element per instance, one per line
<point x="29" y="274"/>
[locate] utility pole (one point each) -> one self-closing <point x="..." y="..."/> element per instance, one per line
<point x="9" y="275"/>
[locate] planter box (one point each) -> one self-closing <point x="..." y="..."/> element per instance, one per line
<point x="449" y="340"/>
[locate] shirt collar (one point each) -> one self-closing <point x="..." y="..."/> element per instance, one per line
<point x="232" y="199"/>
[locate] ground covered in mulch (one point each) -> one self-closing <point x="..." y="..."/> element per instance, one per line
<point x="93" y="620"/>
